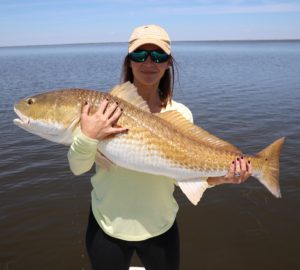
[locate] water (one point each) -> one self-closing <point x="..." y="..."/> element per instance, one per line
<point x="244" y="92"/>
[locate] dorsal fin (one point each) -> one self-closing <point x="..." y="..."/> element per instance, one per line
<point x="195" y="132"/>
<point x="128" y="92"/>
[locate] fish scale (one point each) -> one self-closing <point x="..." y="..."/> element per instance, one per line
<point x="163" y="144"/>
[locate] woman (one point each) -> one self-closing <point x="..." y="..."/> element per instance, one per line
<point x="133" y="211"/>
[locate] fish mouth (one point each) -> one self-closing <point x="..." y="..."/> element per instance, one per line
<point x="22" y="121"/>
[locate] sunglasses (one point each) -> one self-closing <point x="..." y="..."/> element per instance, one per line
<point x="157" y="56"/>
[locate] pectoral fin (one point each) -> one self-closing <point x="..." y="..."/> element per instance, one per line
<point x="103" y="162"/>
<point x="66" y="137"/>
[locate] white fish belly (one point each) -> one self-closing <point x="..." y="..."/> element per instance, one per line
<point x="135" y="155"/>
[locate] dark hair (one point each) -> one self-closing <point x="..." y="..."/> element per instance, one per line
<point x="166" y="83"/>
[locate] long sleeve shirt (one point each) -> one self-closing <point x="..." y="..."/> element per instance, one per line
<point x="127" y="204"/>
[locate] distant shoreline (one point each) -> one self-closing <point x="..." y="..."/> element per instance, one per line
<point x="175" y="41"/>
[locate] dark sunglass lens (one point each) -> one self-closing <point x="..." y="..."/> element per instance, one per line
<point x="159" y="56"/>
<point x="138" y="56"/>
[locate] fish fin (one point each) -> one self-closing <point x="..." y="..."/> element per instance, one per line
<point x="193" y="189"/>
<point x="269" y="173"/>
<point x="195" y="132"/>
<point x="103" y="162"/>
<point x="65" y="136"/>
<point x="128" y="92"/>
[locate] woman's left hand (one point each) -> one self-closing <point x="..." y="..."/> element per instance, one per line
<point x="240" y="170"/>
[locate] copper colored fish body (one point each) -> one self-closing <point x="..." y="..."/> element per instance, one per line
<point x="162" y="144"/>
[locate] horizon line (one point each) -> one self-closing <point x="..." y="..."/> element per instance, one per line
<point x="176" y="41"/>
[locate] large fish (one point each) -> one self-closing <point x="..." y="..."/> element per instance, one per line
<point x="162" y="144"/>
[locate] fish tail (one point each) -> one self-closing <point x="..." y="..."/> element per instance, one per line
<point x="269" y="172"/>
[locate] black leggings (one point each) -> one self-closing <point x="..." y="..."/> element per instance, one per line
<point x="108" y="253"/>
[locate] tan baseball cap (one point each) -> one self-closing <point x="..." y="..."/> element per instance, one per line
<point x="149" y="34"/>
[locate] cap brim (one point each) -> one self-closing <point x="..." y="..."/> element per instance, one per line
<point x="137" y="43"/>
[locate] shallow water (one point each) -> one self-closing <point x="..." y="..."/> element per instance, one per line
<point x="245" y="92"/>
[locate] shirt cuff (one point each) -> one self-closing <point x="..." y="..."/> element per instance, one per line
<point x="83" y="143"/>
<point x="81" y="136"/>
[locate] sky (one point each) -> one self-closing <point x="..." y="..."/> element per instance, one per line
<point x="41" y="22"/>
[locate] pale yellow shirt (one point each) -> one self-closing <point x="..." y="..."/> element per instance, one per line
<point x="127" y="204"/>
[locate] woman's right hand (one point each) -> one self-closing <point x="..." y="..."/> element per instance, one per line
<point x="101" y="124"/>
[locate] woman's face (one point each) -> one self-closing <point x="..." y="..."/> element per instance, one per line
<point x="148" y="72"/>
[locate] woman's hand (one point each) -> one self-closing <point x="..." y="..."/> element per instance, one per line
<point x="239" y="171"/>
<point x="101" y="124"/>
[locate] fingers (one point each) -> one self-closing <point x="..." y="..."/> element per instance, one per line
<point x="238" y="166"/>
<point x="115" y="130"/>
<point x="249" y="169"/>
<point x="243" y="164"/>
<point x="230" y="173"/>
<point x="243" y="169"/>
<point x="102" y="107"/>
<point x="239" y="171"/>
<point x="85" y="109"/>
<point x="116" y="115"/>
<point x="103" y="122"/>
<point x="106" y="109"/>
<point x="110" y="109"/>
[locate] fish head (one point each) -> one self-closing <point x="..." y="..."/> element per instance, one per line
<point x="52" y="115"/>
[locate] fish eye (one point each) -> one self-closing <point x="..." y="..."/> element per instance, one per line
<point x="30" y="101"/>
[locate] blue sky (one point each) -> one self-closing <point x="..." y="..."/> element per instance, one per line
<point x="35" y="22"/>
